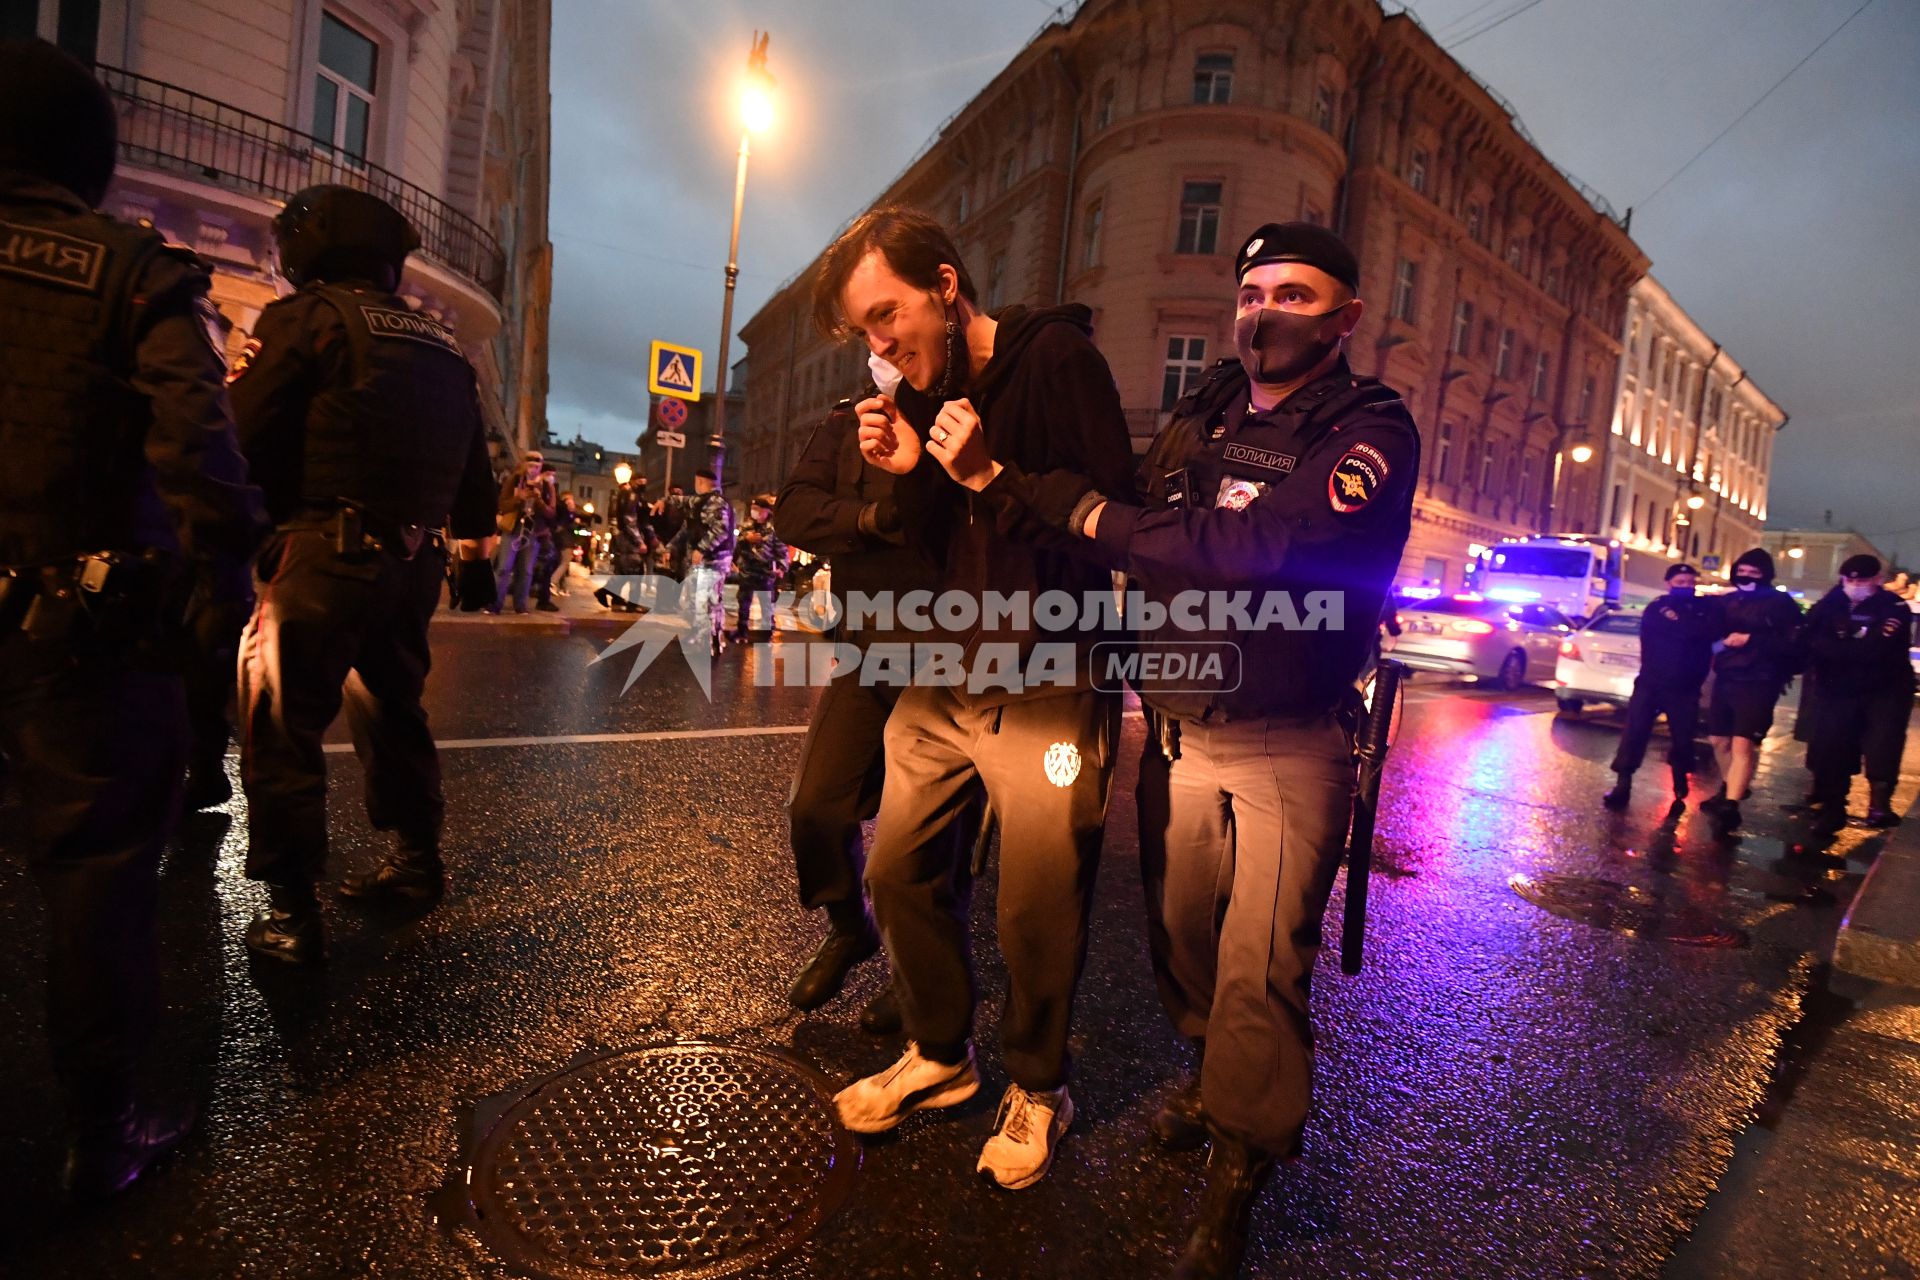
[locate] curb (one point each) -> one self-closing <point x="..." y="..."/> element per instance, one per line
<point x="1880" y="938"/>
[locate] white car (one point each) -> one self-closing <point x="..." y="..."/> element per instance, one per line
<point x="1491" y="640"/>
<point x="1598" y="663"/>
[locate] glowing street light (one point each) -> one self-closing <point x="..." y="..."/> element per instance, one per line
<point x="1582" y="453"/>
<point x="1795" y="553"/>
<point x="622" y="473"/>
<point x="1695" y="502"/>
<point x="756" y="116"/>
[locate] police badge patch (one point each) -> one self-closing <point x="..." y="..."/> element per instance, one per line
<point x="1356" y="478"/>
<point x="1238" y="492"/>
<point x="243" y="361"/>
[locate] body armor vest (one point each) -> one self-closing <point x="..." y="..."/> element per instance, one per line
<point x="393" y="435"/>
<point x="73" y="472"/>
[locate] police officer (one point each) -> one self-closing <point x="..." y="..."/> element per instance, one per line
<point x="1858" y="637"/>
<point x="1285" y="475"/>
<point x="1676" y="652"/>
<point x="1754" y="658"/>
<point x="704" y="546"/>
<point x="122" y="477"/>
<point x="834" y="505"/>
<point x="760" y="558"/>
<point x="361" y="418"/>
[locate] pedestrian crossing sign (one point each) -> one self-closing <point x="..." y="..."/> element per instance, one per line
<point x="674" y="371"/>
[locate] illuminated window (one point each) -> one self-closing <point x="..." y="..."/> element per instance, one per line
<point x="343" y="87"/>
<point x="1186" y="361"/>
<point x="1462" y="328"/>
<point x="1199" y="218"/>
<point x="1406" y="280"/>
<point x="1443" y="456"/>
<point x="1417" y="170"/>
<point x="1213" y="78"/>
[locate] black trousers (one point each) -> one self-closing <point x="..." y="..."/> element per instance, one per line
<point x="1680" y="703"/>
<point x="1044" y="764"/>
<point x="1240" y="840"/>
<point x="326" y="627"/>
<point x="97" y="750"/>
<point x="837" y="787"/>
<point x="1851" y="727"/>
<point x="209" y="673"/>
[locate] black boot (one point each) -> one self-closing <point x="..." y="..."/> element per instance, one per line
<point x="1616" y="799"/>
<point x="852" y="939"/>
<point x="1236" y="1174"/>
<point x="881" y="1017"/>
<point x="408" y="874"/>
<point x="1880" y="812"/>
<point x="1181" y="1123"/>
<point x="109" y="1155"/>
<point x="1679" y="782"/>
<point x="289" y="930"/>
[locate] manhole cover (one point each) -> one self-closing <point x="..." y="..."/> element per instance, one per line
<point x="1606" y="904"/>
<point x="683" y="1160"/>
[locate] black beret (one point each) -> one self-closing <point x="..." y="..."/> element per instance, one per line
<point x="1860" y="566"/>
<point x="1299" y="242"/>
<point x="1674" y="571"/>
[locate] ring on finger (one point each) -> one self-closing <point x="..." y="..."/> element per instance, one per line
<point x="939" y="435"/>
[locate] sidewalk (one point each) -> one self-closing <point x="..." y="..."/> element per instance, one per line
<point x="579" y="608"/>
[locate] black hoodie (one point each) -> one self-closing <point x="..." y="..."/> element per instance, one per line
<point x="1048" y="404"/>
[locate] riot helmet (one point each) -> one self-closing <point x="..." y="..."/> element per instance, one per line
<point x="331" y="232"/>
<point x="56" y="121"/>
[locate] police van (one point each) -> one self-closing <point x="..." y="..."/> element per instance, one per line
<point x="1578" y="574"/>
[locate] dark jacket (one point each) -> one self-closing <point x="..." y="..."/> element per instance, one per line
<point x="707" y="527"/>
<point x="1771" y="620"/>
<point x="834" y="505"/>
<point x="524" y="502"/>
<point x="631" y="541"/>
<point x="1309" y="502"/>
<point x="1051" y="416"/>
<point x="758" y="553"/>
<point x="1676" y="641"/>
<point x="1860" y="649"/>
<point x="114" y="425"/>
<point x="348" y="395"/>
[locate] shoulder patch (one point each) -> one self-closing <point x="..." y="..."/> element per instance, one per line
<point x="392" y="322"/>
<point x="1356" y="478"/>
<point x="34" y="253"/>
<point x="244" y="361"/>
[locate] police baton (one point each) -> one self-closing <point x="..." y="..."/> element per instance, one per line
<point x="1370" y="751"/>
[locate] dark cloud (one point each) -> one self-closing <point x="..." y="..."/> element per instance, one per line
<point x="1791" y="241"/>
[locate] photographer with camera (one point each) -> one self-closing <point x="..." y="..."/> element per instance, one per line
<point x="527" y="505"/>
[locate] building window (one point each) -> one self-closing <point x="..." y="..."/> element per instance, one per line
<point x="1540" y="367"/>
<point x="1486" y="466"/>
<point x="1199" y="218"/>
<point x="1323" y="107"/>
<point x="343" y="87"/>
<point x="1406" y="278"/>
<point x="1613" y="512"/>
<point x="1186" y="361"/>
<point x="965" y="210"/>
<point x="1462" y="328"/>
<point x="1009" y="170"/>
<point x="1417" y="170"/>
<point x="997" y="282"/>
<point x="1586" y="399"/>
<point x="1103" y="113"/>
<point x="1503" y="362"/>
<point x="1213" y="78"/>
<point x="1476" y="223"/>
<point x="1090" y="249"/>
<point x="1525" y="496"/>
<point x="1515" y="251"/>
<point x="1433" y="572"/>
<point x="1443" y="456"/>
<point x="1552" y="282"/>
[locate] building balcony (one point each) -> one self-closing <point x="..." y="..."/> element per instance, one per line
<point x="175" y="142"/>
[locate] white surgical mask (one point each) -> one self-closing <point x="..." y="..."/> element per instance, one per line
<point x="885" y="376"/>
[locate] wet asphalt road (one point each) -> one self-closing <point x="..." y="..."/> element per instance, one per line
<point x="1504" y="1092"/>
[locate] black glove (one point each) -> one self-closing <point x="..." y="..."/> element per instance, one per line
<point x="476" y="586"/>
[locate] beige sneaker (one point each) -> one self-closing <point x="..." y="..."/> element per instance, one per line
<point x="1029" y="1124"/>
<point x="914" y="1083"/>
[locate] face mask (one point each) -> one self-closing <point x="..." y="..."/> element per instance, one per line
<point x="1279" y="346"/>
<point x="953" y="379"/>
<point x="1747" y="584"/>
<point x="1860" y="591"/>
<point x="1682" y="591"/>
<point x="885" y="376"/>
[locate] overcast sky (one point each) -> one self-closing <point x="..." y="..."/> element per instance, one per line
<point x="1794" y="240"/>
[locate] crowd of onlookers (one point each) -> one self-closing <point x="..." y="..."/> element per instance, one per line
<point x="694" y="538"/>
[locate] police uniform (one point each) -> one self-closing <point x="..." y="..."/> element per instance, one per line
<point x="361" y="418"/>
<point x="121" y="476"/>
<point x="1676" y="652"/>
<point x="1858" y="656"/>
<point x="706" y="528"/>
<point x="760" y="560"/>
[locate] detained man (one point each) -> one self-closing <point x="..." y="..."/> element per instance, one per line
<point x="1032" y="382"/>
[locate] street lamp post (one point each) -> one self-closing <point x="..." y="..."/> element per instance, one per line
<point x="756" y="114"/>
